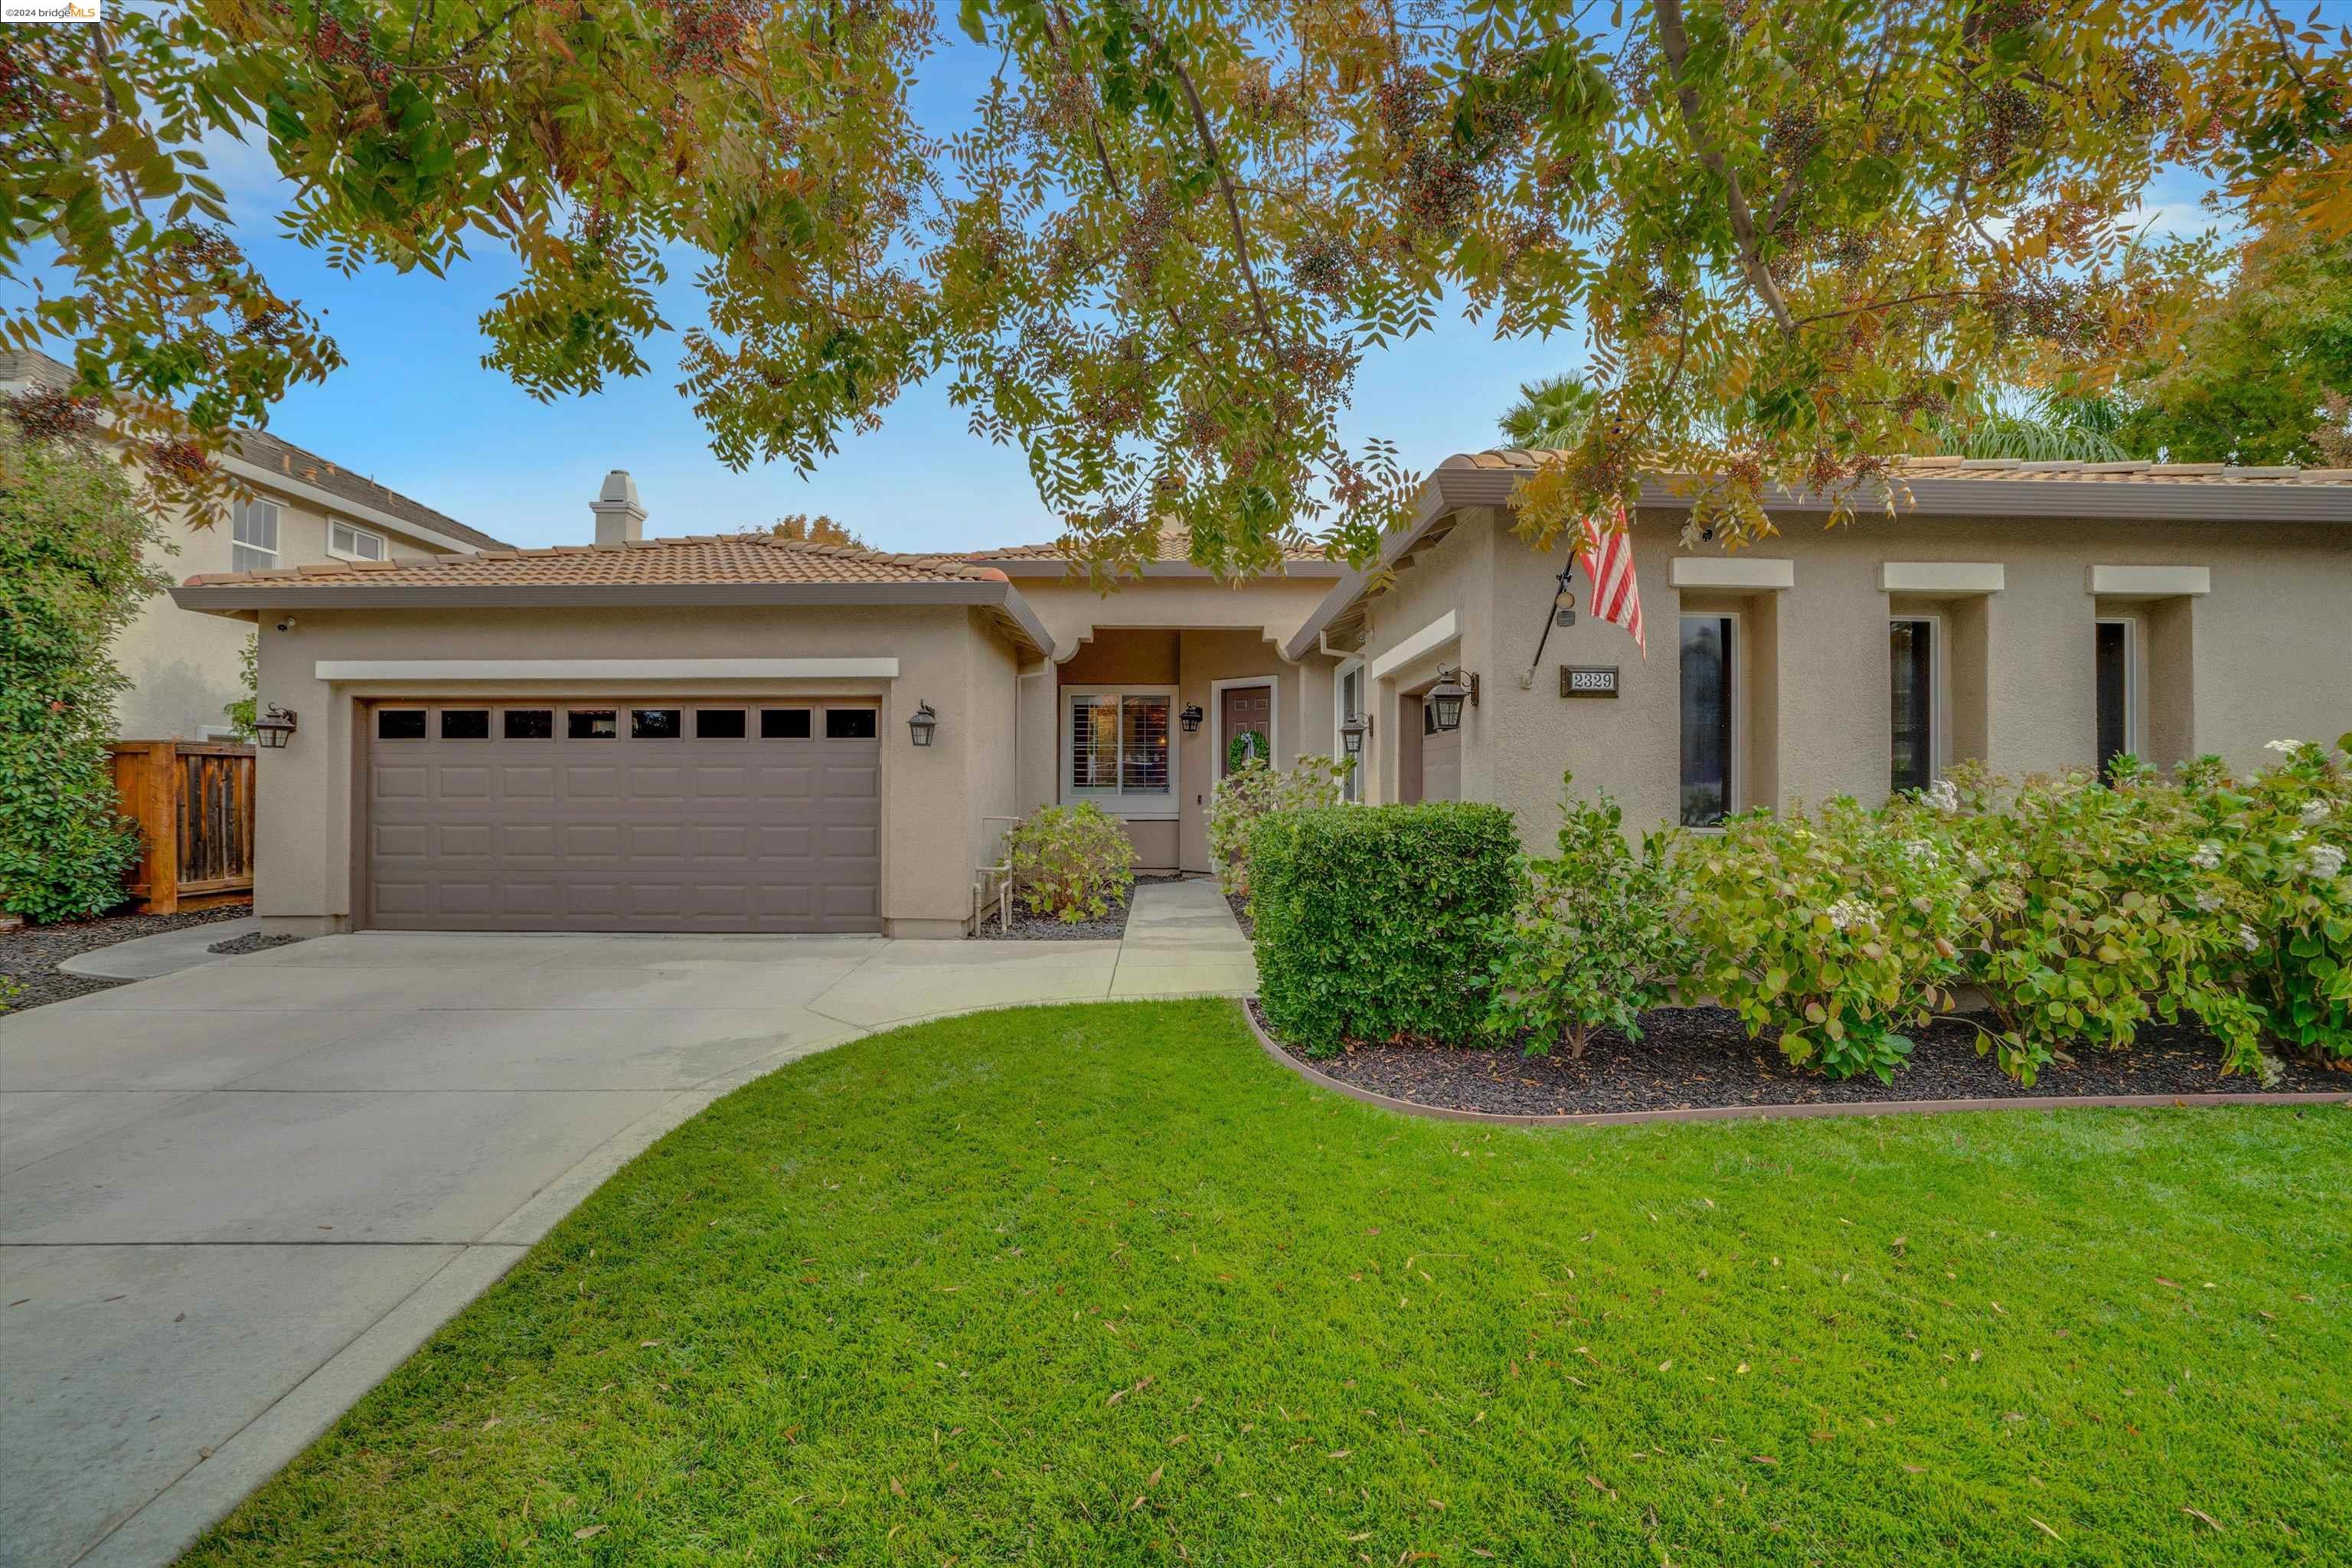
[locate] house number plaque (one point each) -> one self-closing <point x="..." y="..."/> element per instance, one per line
<point x="1588" y="680"/>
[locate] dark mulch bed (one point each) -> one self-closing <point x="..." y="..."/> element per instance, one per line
<point x="1701" y="1056"/>
<point x="1046" y="928"/>
<point x="254" y="942"/>
<point x="1239" y="904"/>
<point x="30" y="956"/>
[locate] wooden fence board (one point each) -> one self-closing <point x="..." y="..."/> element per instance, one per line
<point x="193" y="803"/>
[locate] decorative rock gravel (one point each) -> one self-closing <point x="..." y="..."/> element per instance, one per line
<point x="254" y="942"/>
<point x="1701" y="1056"/>
<point x="30" y="956"/>
<point x="1046" y="928"/>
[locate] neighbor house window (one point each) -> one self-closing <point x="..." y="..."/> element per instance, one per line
<point x="1116" y="750"/>
<point x="1708" y="696"/>
<point x="1911" y="658"/>
<point x="354" y="543"/>
<point x="253" y="532"/>
<point x="2112" y="653"/>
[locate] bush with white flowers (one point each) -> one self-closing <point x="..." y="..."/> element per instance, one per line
<point x="2279" y="842"/>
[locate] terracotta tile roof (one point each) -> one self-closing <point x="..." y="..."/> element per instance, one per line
<point x="748" y="558"/>
<point x="1174" y="550"/>
<point x="276" y="455"/>
<point x="2010" y="468"/>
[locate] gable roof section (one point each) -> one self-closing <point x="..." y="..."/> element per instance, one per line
<point x="703" y="569"/>
<point x="1172" y="558"/>
<point x="265" y="456"/>
<point x="1945" y="486"/>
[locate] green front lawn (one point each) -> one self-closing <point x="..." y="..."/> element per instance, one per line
<point x="1093" y="1285"/>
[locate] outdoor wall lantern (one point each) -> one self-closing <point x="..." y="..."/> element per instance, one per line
<point x="274" y="726"/>
<point x="923" y="723"/>
<point x="1191" y="716"/>
<point x="1445" y="697"/>
<point x="1352" y="733"/>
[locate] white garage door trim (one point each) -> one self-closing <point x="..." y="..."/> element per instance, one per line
<point x="513" y="669"/>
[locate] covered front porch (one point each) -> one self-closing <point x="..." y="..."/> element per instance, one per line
<point x="1144" y="720"/>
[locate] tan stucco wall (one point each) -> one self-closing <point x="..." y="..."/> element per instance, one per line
<point x="184" y="665"/>
<point x="933" y="799"/>
<point x="2264" y="655"/>
<point x="1183" y="632"/>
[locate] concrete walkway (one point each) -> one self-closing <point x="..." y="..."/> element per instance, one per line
<point x="234" y="1197"/>
<point x="145" y="957"/>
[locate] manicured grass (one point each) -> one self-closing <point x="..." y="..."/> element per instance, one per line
<point x="1101" y="1285"/>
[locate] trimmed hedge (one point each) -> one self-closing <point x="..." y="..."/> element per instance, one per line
<point x="1407" y="897"/>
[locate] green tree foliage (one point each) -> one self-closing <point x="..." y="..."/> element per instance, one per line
<point x="2263" y="373"/>
<point x="818" y="529"/>
<point x="1154" y="252"/>
<point x="1254" y="790"/>
<point x="242" y="712"/>
<point x="72" y="576"/>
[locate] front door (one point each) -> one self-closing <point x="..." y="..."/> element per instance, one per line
<point x="1246" y="711"/>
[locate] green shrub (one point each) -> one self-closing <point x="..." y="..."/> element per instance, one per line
<point x="72" y="576"/>
<point x="1594" y="942"/>
<point x="1073" y="862"/>
<point x="1378" y="922"/>
<point x="2271" y="853"/>
<point x="2086" y="919"/>
<point x="1253" y="789"/>
<point x="1831" y="929"/>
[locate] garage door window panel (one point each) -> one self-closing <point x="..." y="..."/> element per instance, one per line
<point x="529" y="723"/>
<point x="849" y="723"/>
<point x="656" y="724"/>
<point x="399" y="723"/>
<point x="465" y="723"/>
<point x="591" y="723"/>
<point x="719" y="725"/>
<point x="783" y="723"/>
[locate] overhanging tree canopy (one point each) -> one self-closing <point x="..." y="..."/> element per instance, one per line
<point x="1156" y="249"/>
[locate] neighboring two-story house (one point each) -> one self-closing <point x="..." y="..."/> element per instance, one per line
<point x="184" y="669"/>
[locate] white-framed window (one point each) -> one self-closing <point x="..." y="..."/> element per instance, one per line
<point x="1349" y="704"/>
<point x="1915" y="701"/>
<point x="1710" y="719"/>
<point x="253" y="532"/>
<point x="2116" y="672"/>
<point x="1116" y="749"/>
<point x="349" y="542"/>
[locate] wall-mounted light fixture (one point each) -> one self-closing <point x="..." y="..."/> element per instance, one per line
<point x="274" y="727"/>
<point x="1445" y="696"/>
<point x="1352" y="732"/>
<point x="1191" y="716"/>
<point x="920" y="725"/>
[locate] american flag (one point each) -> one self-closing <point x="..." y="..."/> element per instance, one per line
<point x="1608" y="556"/>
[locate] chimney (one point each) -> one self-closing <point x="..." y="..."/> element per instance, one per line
<point x="620" y="516"/>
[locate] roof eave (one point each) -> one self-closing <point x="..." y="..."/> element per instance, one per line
<point x="1060" y="570"/>
<point x="1451" y="490"/>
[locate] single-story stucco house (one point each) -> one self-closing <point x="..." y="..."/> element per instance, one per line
<point x="743" y="732"/>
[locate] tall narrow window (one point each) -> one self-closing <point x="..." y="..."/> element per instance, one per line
<point x="253" y="532"/>
<point x="2114" y="675"/>
<point x="1118" y="750"/>
<point x="1707" y="700"/>
<point x="1911" y="658"/>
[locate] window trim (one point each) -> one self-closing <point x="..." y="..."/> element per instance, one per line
<point x="1217" y="689"/>
<point x="2133" y="740"/>
<point x="1354" y="781"/>
<point x="1157" y="810"/>
<point x="238" y="515"/>
<point x="357" y="531"/>
<point x="1736" y="781"/>
<point x="1939" y="701"/>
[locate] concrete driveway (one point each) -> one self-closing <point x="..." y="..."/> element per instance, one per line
<point x="233" y="1198"/>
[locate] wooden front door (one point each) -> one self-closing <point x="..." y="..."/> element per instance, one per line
<point x="1245" y="710"/>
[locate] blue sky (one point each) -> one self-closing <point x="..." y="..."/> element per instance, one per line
<point x="415" y="410"/>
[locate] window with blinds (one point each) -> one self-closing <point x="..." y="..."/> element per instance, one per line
<point x="1118" y="748"/>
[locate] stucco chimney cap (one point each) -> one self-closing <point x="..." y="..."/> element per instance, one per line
<point x="621" y="489"/>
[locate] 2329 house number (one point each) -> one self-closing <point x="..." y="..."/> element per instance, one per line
<point x="1588" y="680"/>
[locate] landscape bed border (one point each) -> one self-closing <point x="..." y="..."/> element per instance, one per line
<point x="1274" y="1047"/>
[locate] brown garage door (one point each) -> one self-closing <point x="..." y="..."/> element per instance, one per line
<point x="624" y="815"/>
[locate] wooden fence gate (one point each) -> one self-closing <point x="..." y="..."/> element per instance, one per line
<point x="193" y="803"/>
